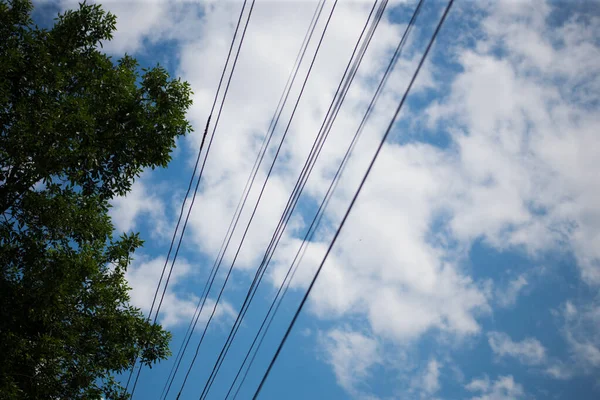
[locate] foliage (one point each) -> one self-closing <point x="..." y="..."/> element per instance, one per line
<point x="76" y="129"/>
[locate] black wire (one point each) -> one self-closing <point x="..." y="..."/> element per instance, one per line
<point x="243" y="198"/>
<point x="316" y="220"/>
<point x="261" y="193"/>
<point x="191" y="181"/>
<point x="202" y="168"/>
<point x="203" y="165"/>
<point x="300" y="183"/>
<point x="265" y="142"/>
<point x="173" y="239"/>
<point x="259" y="198"/>
<point x="209" y="146"/>
<point x="208" y="149"/>
<point x="349" y="209"/>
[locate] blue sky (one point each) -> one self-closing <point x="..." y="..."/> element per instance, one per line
<point x="470" y="266"/>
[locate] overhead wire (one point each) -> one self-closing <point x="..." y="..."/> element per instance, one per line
<point x="319" y="214"/>
<point x="259" y="197"/>
<point x="208" y="149"/>
<point x="260" y="194"/>
<point x="224" y="69"/>
<point x="209" y="145"/>
<point x="242" y="201"/>
<point x="325" y="128"/>
<point x="354" y="198"/>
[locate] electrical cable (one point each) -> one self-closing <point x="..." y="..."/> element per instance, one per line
<point x="208" y="149"/>
<point x="190" y="183"/>
<point x="260" y="196"/>
<point x="300" y="183"/>
<point x="319" y="214"/>
<point x="240" y="204"/>
<point x="258" y="201"/>
<point x="316" y="220"/>
<point x="353" y="201"/>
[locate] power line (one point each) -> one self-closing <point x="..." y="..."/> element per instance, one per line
<point x="243" y="198"/>
<point x="319" y="214"/>
<point x="208" y="149"/>
<point x="188" y="191"/>
<point x="353" y="201"/>
<point x="209" y="145"/>
<point x="261" y="193"/>
<point x="259" y="198"/>
<point x="325" y="128"/>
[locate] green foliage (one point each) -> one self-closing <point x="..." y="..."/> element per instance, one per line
<point x="76" y="130"/>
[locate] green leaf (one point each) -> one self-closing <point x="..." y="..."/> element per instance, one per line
<point x="77" y="129"/>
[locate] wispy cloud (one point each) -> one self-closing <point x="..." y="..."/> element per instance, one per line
<point x="427" y="383"/>
<point x="178" y="306"/>
<point x="503" y="388"/>
<point x="507" y="296"/>
<point x="528" y="351"/>
<point x="140" y="202"/>
<point x="517" y="107"/>
<point x="581" y="329"/>
<point x="351" y="355"/>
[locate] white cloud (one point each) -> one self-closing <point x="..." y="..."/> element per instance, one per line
<point x="479" y="385"/>
<point x="528" y="351"/>
<point x="431" y="379"/>
<point x="177" y="307"/>
<point x="559" y="371"/>
<point x="519" y="172"/>
<point x="507" y="296"/>
<point x="428" y="382"/>
<point x="140" y="201"/>
<point x="416" y="282"/>
<point x="146" y="22"/>
<point x="372" y="274"/>
<point x="526" y="151"/>
<point x="582" y="333"/>
<point x="579" y="327"/>
<point x="504" y="388"/>
<point x="351" y="354"/>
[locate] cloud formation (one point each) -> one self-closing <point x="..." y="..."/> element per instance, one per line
<point x="428" y="383"/>
<point x="503" y="388"/>
<point x="523" y="129"/>
<point x="177" y="307"/>
<point x="505" y="155"/>
<point x="582" y="332"/>
<point x="351" y="355"/>
<point x="528" y="351"/>
<point x="140" y="201"/>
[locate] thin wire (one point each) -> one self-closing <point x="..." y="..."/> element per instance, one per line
<point x="300" y="183"/>
<point x="209" y="146"/>
<point x="259" y="198"/>
<point x="361" y="185"/>
<point x="202" y="168"/>
<point x="261" y="193"/>
<point x="319" y="214"/>
<point x="263" y="146"/>
<point x="243" y="198"/>
<point x="191" y="181"/>
<point x="206" y="158"/>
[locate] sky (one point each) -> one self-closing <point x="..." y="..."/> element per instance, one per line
<point x="469" y="267"/>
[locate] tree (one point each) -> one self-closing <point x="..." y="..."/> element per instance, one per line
<point x="76" y="129"/>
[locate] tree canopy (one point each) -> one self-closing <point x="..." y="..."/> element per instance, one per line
<point x="77" y="128"/>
